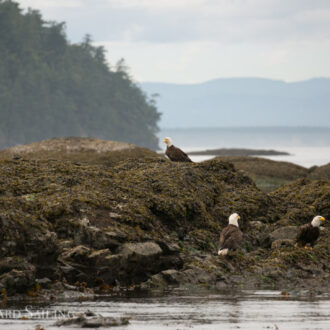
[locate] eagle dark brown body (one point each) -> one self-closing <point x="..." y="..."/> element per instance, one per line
<point x="230" y="238"/>
<point x="177" y="155"/>
<point x="307" y="234"/>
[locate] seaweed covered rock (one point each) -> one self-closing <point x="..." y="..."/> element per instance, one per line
<point x="79" y="149"/>
<point x="145" y="220"/>
<point x="17" y="280"/>
<point x="320" y="172"/>
<point x="301" y="200"/>
<point x="57" y="213"/>
<point x="268" y="174"/>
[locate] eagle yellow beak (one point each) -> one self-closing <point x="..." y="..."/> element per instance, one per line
<point x="164" y="140"/>
<point x="238" y="217"/>
<point x="322" y="219"/>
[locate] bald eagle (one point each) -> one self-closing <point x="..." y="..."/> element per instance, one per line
<point x="309" y="232"/>
<point x="230" y="237"/>
<point x="175" y="154"/>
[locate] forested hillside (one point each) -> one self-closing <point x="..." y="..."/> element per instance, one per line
<point x="51" y="88"/>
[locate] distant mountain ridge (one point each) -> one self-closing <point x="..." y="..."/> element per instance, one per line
<point x="243" y="102"/>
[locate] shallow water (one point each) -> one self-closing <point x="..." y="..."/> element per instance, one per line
<point x="243" y="310"/>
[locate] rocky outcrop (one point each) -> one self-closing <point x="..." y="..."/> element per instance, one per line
<point x="132" y="263"/>
<point x="150" y="223"/>
<point x="320" y="172"/>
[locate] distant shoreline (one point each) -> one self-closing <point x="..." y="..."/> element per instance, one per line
<point x="237" y="152"/>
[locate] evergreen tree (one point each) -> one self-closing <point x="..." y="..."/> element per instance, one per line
<point x="51" y="88"/>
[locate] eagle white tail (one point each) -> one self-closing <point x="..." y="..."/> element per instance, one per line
<point x="223" y="252"/>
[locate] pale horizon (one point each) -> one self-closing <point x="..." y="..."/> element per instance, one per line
<point x="238" y="77"/>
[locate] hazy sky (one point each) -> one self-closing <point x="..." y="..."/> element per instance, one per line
<point x="187" y="41"/>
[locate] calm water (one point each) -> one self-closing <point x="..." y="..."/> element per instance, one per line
<point x="307" y="146"/>
<point x="244" y="310"/>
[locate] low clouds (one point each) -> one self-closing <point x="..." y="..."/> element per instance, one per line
<point x="47" y="4"/>
<point x="192" y="20"/>
<point x="195" y="40"/>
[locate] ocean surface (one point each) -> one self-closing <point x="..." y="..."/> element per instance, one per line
<point x="307" y="146"/>
<point x="202" y="311"/>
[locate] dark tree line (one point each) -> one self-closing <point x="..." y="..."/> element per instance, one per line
<point x="51" y="88"/>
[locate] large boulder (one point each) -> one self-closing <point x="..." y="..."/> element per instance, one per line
<point x="141" y="252"/>
<point x="287" y="232"/>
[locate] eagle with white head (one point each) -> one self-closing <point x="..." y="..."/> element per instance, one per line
<point x="309" y="232"/>
<point x="230" y="236"/>
<point x="175" y="154"/>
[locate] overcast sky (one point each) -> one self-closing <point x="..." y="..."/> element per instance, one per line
<point x="188" y="41"/>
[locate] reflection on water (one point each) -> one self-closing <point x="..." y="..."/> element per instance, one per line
<point x="244" y="310"/>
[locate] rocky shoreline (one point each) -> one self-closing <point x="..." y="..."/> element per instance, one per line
<point x="150" y="224"/>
